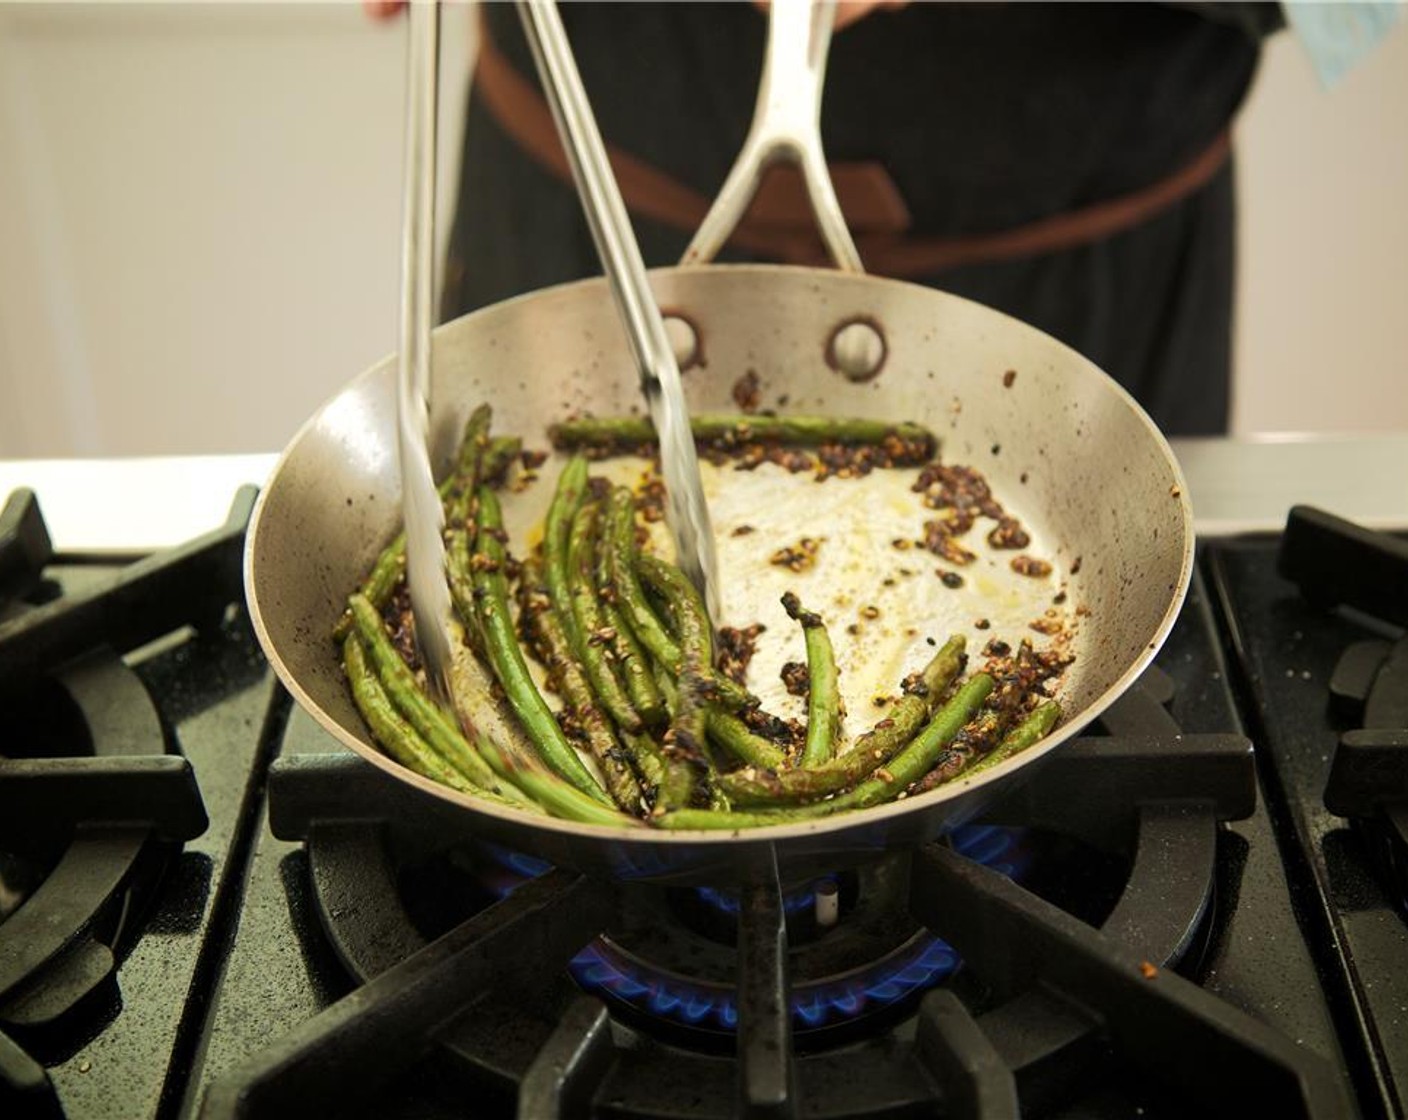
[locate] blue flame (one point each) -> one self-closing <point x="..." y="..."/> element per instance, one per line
<point x="728" y="901"/>
<point x="817" y="1004"/>
<point x="813" y="1005"/>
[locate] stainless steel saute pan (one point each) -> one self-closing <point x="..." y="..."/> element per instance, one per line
<point x="1061" y="444"/>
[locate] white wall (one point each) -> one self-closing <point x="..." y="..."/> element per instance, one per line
<point x="199" y="208"/>
<point x="199" y="218"/>
<point x="1322" y="341"/>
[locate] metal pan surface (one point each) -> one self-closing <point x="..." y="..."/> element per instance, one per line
<point x="1063" y="447"/>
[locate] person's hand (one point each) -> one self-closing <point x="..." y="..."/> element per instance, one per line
<point x="848" y="11"/>
<point x="383" y="9"/>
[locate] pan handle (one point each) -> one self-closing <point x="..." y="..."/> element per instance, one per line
<point x="786" y="128"/>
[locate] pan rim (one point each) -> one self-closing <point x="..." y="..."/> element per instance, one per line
<point x="812" y="829"/>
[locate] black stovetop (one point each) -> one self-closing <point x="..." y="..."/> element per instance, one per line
<point x="1250" y="953"/>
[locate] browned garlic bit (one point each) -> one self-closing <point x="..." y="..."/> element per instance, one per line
<point x="1030" y="566"/>
<point x="799" y="557"/>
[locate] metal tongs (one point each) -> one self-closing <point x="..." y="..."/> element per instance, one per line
<point x="424" y="515"/>
<point x="686" y="511"/>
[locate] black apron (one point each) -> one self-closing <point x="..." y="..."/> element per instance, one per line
<point x="985" y="117"/>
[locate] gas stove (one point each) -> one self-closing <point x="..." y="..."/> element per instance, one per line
<point x="208" y="908"/>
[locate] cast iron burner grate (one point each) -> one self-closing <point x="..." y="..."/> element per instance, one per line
<point x="1046" y="998"/>
<point x="94" y="798"/>
<point x="1368" y="780"/>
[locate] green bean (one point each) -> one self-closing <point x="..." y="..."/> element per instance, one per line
<point x="481" y="458"/>
<point x="695" y="667"/>
<point x="461" y="579"/>
<point x="610" y="432"/>
<point x="622" y="558"/>
<point x="631" y="658"/>
<point x="506" y="658"/>
<point x="571" y="487"/>
<point x="682" y="773"/>
<point x="696" y="719"/>
<point x="669" y="691"/>
<point x="591" y="632"/>
<point x="920" y="756"/>
<point x="689" y="723"/>
<point x="468" y="469"/>
<point x="736" y="737"/>
<point x="623" y="568"/>
<point x="823" y="695"/>
<point x="728" y="820"/>
<point x="499" y="455"/>
<point x="397" y="737"/>
<point x="641" y="688"/>
<point x="645" y="755"/>
<point x="386" y="573"/>
<point x="687" y="608"/>
<point x="551" y="792"/>
<point x="390" y="566"/>
<point x="907" y="767"/>
<point x="556" y="653"/>
<point x="1032" y="729"/>
<point x="430" y="721"/>
<point x="678" y="782"/>
<point x="688" y="729"/>
<point x="773" y="786"/>
<point x="692" y="622"/>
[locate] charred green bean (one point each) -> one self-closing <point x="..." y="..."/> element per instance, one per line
<point x="904" y="769"/>
<point x="622" y="561"/>
<point x="617" y="432"/>
<point x="431" y="722"/>
<point x="823" y="695"/>
<point x="558" y="797"/>
<point x="773" y="786"/>
<point x="390" y="566"/>
<point x="397" y="737"/>
<point x="576" y="690"/>
<point x="593" y="637"/>
<point x="557" y="529"/>
<point x="506" y="658"/>
<point x="1031" y="730"/>
<point x="735" y="736"/>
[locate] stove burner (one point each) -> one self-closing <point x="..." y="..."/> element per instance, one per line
<point x="94" y="797"/>
<point x="1337" y="562"/>
<point x="827" y="992"/>
<point x="192" y="585"/>
<point x="1334" y="562"/>
<point x="1368" y="780"/>
<point x="1045" y="996"/>
<point x="91" y="825"/>
<point x="24" y="545"/>
<point x="657" y="978"/>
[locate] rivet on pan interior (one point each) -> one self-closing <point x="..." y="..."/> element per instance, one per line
<point x="857" y="349"/>
<point x="684" y="340"/>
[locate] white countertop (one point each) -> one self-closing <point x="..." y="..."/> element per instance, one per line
<point x="136" y="505"/>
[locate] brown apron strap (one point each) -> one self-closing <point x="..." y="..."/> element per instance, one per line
<point x="1088" y="224"/>
<point x="779" y="225"/>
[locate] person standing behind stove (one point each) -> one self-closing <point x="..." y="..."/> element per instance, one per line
<point x="1068" y="164"/>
